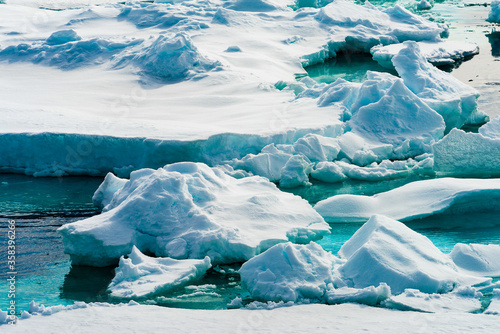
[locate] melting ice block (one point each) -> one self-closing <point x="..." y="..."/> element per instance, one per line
<point x="436" y="53"/>
<point x="451" y="98"/>
<point x="384" y="250"/>
<point x="189" y="210"/>
<point x="139" y="275"/>
<point x="288" y="272"/>
<point x="415" y="200"/>
<point x="478" y="259"/>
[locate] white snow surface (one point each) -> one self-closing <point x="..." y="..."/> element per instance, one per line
<point x="189" y="210"/>
<point x="469" y="154"/>
<point x="155" y="78"/>
<point x="415" y="300"/>
<point x="494" y="14"/>
<point x="139" y="275"/>
<point x="451" y="98"/>
<point x="415" y="200"/>
<point x="295" y="319"/>
<point x="384" y="250"/>
<point x="483" y="260"/>
<point x="437" y="53"/>
<point x="288" y="272"/>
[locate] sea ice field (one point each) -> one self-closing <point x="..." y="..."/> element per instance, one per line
<point x="249" y="166"/>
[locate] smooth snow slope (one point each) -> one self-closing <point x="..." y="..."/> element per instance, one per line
<point x="415" y="200"/>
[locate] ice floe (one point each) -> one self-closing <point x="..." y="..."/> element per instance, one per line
<point x="139" y="275"/>
<point x="469" y="154"/>
<point x="415" y="200"/>
<point x="477" y="259"/>
<point x="189" y="210"/>
<point x="451" y="98"/>
<point x="437" y="53"/>
<point x="157" y="77"/>
<point x="288" y="272"/>
<point x="386" y="251"/>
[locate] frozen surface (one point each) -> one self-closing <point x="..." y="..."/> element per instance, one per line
<point x="294" y="319"/>
<point x="494" y="307"/>
<point x="139" y="275"/>
<point x="437" y="53"/>
<point x="478" y="259"/>
<point x="415" y="200"/>
<point x="189" y="210"/>
<point x="288" y="272"/>
<point x="386" y="251"/>
<point x="494" y="14"/>
<point x="155" y="78"/>
<point x="452" y="99"/>
<point x="465" y="300"/>
<point x="469" y="154"/>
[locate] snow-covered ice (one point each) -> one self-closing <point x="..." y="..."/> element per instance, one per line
<point x="155" y="78"/>
<point x="384" y="250"/>
<point x="139" y="275"/>
<point x="464" y="300"/>
<point x="288" y="272"/>
<point x="483" y="260"/>
<point x="469" y="154"/>
<point x="294" y="319"/>
<point x="437" y="53"/>
<point x="415" y="200"/>
<point x="189" y="210"/>
<point x="494" y="307"/>
<point x="451" y="98"/>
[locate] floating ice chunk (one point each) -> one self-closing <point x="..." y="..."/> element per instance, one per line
<point x="378" y="26"/>
<point x="452" y="99"/>
<point x="483" y="260"/>
<point x="288" y="272"/>
<point x="494" y="307"/>
<point x="296" y="172"/>
<point x="368" y="296"/>
<point x="384" y="250"/>
<point x="267" y="163"/>
<point x="173" y="57"/>
<point x="415" y="300"/>
<point x="189" y="210"/>
<point x="468" y="154"/>
<point x="372" y="172"/>
<point x="329" y="172"/>
<point x="437" y="53"/>
<point x="104" y="194"/>
<point x="400" y="119"/>
<point x="494" y="14"/>
<point x="317" y="148"/>
<point x="415" y="200"/>
<point x="424" y="4"/>
<point x="491" y="129"/>
<point x="361" y="151"/>
<point x="139" y="275"/>
<point x="62" y="37"/>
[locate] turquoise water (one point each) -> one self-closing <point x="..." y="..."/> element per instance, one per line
<point x="45" y="274"/>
